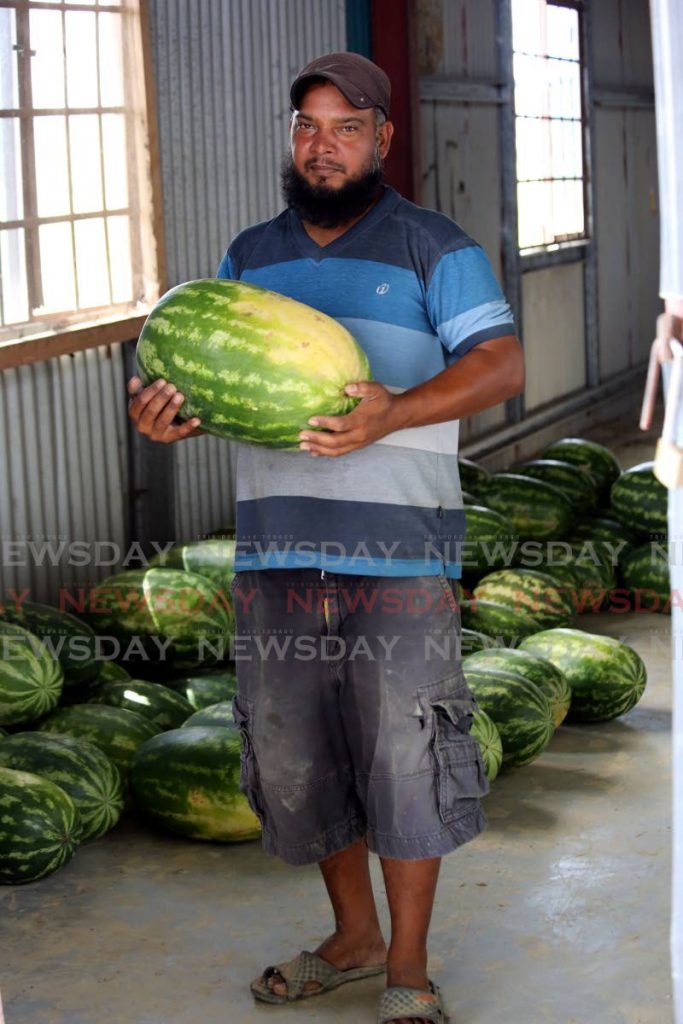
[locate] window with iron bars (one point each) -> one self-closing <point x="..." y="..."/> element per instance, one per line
<point x="549" y="122"/>
<point x="76" y="236"/>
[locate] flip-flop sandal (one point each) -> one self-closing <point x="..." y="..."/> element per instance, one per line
<point x="308" y="967"/>
<point x="398" y="1003"/>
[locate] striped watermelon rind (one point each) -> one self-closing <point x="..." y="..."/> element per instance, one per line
<point x="253" y="365"/>
<point x="68" y="638"/>
<point x="116" y="731"/>
<point x="490" y="540"/>
<point x="646" y="573"/>
<point x="39" y="827"/>
<point x="161" y="705"/>
<point x="80" y="768"/>
<point x="640" y="501"/>
<point x="31" y="678"/>
<point x="607" y="677"/>
<point x="472" y="641"/>
<point x="485" y="732"/>
<point x="529" y="591"/>
<point x="473" y="477"/>
<point x="155" y="606"/>
<point x="575" y="483"/>
<point x="549" y="679"/>
<point x="498" y="621"/>
<point x="215" y="714"/>
<point x="202" y="691"/>
<point x="520" y="710"/>
<point x="187" y="781"/>
<point x="597" y="460"/>
<point x="536" y="509"/>
<point x="213" y="558"/>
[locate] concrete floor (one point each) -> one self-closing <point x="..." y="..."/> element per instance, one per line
<point x="557" y="914"/>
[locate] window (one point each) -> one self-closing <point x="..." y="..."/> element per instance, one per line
<point x="76" y="239"/>
<point x="548" y="122"/>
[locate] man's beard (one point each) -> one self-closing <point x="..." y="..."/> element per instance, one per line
<point x="331" y="207"/>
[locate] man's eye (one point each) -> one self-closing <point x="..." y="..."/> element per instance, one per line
<point x="349" y="128"/>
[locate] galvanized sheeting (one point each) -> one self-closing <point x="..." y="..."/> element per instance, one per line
<point x="223" y="70"/>
<point x="63" y="468"/>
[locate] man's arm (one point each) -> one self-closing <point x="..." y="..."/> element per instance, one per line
<point x="490" y="373"/>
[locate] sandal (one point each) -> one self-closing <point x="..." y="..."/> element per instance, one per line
<point x="398" y="1003"/>
<point x="308" y="967"/>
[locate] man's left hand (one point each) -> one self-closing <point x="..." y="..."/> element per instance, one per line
<point x="373" y="417"/>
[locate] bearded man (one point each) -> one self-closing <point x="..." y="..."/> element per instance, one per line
<point x="353" y="541"/>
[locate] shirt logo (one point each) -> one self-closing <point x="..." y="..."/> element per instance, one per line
<point x="382" y="289"/>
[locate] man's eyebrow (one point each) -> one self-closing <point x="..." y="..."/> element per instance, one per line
<point x="337" y="120"/>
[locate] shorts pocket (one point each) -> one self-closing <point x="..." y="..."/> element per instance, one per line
<point x="460" y="772"/>
<point x="250" y="783"/>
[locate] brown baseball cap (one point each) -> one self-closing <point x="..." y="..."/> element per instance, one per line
<point x="363" y="83"/>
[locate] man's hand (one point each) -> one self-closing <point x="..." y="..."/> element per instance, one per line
<point x="375" y="416"/>
<point x="153" y="410"/>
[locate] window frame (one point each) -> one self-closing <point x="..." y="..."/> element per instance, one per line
<point x="575" y="249"/>
<point x="90" y="328"/>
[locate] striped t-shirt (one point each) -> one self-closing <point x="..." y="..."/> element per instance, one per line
<point x="417" y="293"/>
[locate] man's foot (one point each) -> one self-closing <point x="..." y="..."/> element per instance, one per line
<point x="403" y="1001"/>
<point x="408" y="977"/>
<point x="343" y="953"/>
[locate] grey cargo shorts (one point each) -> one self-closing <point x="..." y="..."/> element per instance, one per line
<point x="354" y="714"/>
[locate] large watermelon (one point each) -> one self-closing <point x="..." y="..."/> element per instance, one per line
<point x="472" y="641"/>
<point x="215" y="714"/>
<point x="473" y="477"/>
<point x="536" y="509"/>
<point x="640" y="501"/>
<point x="521" y="711"/>
<point x="188" y="781"/>
<point x="111" y="671"/>
<point x="572" y="480"/>
<point x="158" y="703"/>
<point x="170" y="617"/>
<point x="116" y="731"/>
<point x="607" y="677"/>
<point x="81" y="769"/>
<point x="485" y="732"/>
<point x="69" y="639"/>
<point x="540" y="671"/>
<point x="253" y="365"/>
<point x="31" y="678"/>
<point x="529" y="591"/>
<point x="490" y="540"/>
<point x="646" y="573"/>
<point x="214" y="558"/>
<point x="616" y="537"/>
<point x="202" y="691"/>
<point x="599" y="462"/>
<point x="498" y="621"/>
<point x="39" y="827"/>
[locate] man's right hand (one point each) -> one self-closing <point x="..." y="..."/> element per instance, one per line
<point x="154" y="409"/>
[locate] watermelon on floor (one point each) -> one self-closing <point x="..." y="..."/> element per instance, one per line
<point x="537" y="510"/>
<point x="161" y="705"/>
<point x="215" y="714"/>
<point x="607" y="677"/>
<point x="598" y="461"/>
<point x="528" y="591"/>
<point x="213" y="558"/>
<point x="68" y="638"/>
<point x="80" y="768"/>
<point x="486" y="734"/>
<point x="640" y="501"/>
<point x="521" y="712"/>
<point x="188" y="781"/>
<point x="202" y="691"/>
<point x="39" y="827"/>
<point x="540" y="671"/>
<point x="646" y="573"/>
<point x="499" y="621"/>
<point x="116" y="731"/>
<point x="31" y="678"/>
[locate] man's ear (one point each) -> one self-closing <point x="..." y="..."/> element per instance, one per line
<point x="385" y="132"/>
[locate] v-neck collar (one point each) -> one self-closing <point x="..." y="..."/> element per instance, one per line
<point x="310" y="248"/>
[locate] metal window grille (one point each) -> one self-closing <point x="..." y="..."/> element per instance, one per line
<point x="549" y="122"/>
<point x="72" y="202"/>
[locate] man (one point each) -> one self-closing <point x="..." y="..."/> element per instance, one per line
<point x="350" y="545"/>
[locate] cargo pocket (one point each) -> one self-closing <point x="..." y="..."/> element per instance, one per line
<point x="460" y="772"/>
<point x="243" y="713"/>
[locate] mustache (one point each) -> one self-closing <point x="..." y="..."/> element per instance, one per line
<point x="314" y="162"/>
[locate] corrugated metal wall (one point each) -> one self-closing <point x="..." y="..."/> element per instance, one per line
<point x="222" y="70"/>
<point x="63" y="474"/>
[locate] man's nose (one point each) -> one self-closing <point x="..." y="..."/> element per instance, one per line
<point x="324" y="140"/>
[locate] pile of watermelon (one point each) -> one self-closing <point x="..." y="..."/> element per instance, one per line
<point x="81" y="738"/>
<point x="146" y="720"/>
<point x="547" y="542"/>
